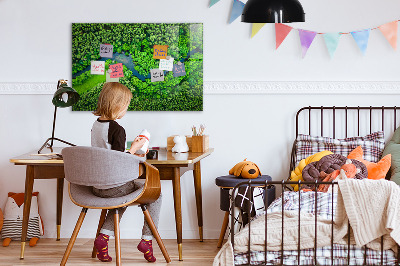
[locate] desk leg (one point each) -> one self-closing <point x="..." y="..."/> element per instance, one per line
<point x="199" y="204"/>
<point x="60" y="190"/>
<point x="176" y="182"/>
<point x="27" y="206"/>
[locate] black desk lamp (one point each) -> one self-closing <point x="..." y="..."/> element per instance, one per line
<point x="273" y="11"/>
<point x="64" y="97"/>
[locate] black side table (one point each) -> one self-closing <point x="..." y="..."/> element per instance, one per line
<point x="226" y="183"/>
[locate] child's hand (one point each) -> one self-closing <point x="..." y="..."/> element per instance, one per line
<point x="137" y="144"/>
<point x="142" y="155"/>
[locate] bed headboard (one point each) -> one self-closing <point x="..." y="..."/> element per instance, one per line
<point x="344" y="121"/>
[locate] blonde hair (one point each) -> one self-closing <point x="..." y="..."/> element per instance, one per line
<point x="113" y="97"/>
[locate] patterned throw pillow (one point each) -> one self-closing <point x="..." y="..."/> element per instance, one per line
<point x="372" y="145"/>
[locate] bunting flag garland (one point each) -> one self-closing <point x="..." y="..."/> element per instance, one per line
<point x="237" y="9"/>
<point x="389" y="30"/>
<point x="361" y="38"/>
<point x="213" y="2"/>
<point x="306" y="39"/>
<point x="332" y="41"/>
<point x="281" y="31"/>
<point x="256" y="28"/>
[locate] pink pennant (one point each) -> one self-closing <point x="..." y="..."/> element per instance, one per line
<point x="389" y="30"/>
<point x="281" y="31"/>
<point x="306" y="39"/>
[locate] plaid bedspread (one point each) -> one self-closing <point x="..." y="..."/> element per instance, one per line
<point x="321" y="205"/>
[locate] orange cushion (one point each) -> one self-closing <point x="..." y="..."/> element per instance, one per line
<point x="375" y="170"/>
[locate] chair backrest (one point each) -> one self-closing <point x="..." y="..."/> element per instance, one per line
<point x="92" y="166"/>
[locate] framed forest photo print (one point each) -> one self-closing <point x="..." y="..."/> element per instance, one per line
<point x="161" y="63"/>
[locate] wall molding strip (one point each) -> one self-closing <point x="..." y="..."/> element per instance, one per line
<point x="243" y="87"/>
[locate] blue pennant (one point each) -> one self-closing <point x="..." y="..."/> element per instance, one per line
<point x="237" y="9"/>
<point x="213" y="2"/>
<point x="361" y="38"/>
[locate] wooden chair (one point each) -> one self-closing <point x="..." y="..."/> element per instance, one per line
<point x="85" y="167"/>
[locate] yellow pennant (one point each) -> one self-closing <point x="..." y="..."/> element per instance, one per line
<point x="256" y="28"/>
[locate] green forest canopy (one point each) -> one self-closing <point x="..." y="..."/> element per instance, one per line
<point x="185" y="44"/>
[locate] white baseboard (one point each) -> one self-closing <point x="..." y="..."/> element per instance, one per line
<point x="244" y="87"/>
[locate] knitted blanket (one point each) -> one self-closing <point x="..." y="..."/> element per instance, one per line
<point x="371" y="207"/>
<point x="274" y="235"/>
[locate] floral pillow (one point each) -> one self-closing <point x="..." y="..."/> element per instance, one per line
<point x="372" y="145"/>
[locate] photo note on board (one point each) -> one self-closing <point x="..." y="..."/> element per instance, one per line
<point x="106" y="50"/>
<point x="110" y="79"/>
<point x="97" y="67"/>
<point x="157" y="75"/>
<point x="160" y="51"/>
<point x="179" y="70"/>
<point x="166" y="64"/>
<point x="116" y="71"/>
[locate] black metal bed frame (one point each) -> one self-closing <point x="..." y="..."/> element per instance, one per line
<point x="283" y="184"/>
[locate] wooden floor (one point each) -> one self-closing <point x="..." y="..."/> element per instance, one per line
<point x="50" y="252"/>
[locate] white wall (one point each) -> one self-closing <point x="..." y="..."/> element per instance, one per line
<point x="35" y="39"/>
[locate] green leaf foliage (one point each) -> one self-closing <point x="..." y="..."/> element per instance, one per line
<point x="134" y="45"/>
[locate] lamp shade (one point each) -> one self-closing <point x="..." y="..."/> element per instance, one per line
<point x="273" y="11"/>
<point x="65" y="96"/>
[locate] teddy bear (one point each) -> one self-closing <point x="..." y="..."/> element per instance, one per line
<point x="13" y="215"/>
<point x="180" y="144"/>
<point x="245" y="169"/>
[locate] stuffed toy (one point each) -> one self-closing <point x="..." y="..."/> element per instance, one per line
<point x="13" y="215"/>
<point x="180" y="144"/>
<point x="296" y="174"/>
<point x="328" y="164"/>
<point x="375" y="170"/>
<point x="245" y="169"/>
<point x="348" y="170"/>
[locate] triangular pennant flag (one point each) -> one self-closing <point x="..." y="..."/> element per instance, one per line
<point x="361" y="37"/>
<point x="213" y="2"/>
<point x="281" y="31"/>
<point x="237" y="9"/>
<point x="332" y="41"/>
<point x="390" y="32"/>
<point x="306" y="39"/>
<point x="256" y="28"/>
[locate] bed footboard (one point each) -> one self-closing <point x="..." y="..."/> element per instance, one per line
<point x="300" y="256"/>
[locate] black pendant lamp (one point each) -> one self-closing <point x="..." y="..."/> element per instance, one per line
<point x="273" y="11"/>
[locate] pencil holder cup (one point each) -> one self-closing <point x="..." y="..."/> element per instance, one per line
<point x="200" y="143"/>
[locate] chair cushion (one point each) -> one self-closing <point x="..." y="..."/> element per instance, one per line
<point x="99" y="167"/>
<point x="83" y="196"/>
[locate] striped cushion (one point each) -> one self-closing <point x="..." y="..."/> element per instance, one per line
<point x="372" y="145"/>
<point x="13" y="228"/>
